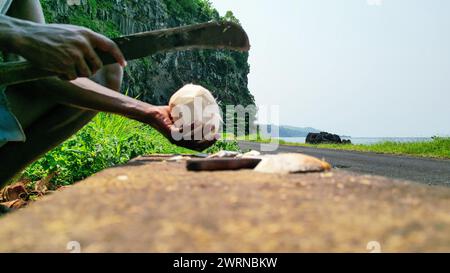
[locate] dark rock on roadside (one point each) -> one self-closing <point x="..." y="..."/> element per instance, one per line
<point x="324" y="137"/>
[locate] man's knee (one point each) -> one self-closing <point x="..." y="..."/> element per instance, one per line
<point x="110" y="76"/>
<point x="114" y="75"/>
<point x="29" y="10"/>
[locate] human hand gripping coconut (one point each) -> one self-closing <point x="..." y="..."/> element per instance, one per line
<point x="192" y="118"/>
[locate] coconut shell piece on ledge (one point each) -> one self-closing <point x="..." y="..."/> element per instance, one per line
<point x="291" y="163"/>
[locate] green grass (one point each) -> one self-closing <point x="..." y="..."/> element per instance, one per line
<point x="107" y="141"/>
<point x="439" y="147"/>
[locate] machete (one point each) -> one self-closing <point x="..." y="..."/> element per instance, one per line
<point x="211" y="35"/>
<point x="221" y="164"/>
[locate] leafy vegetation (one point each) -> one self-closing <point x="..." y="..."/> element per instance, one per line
<point x="191" y="10"/>
<point x="80" y="17"/>
<point x="107" y="141"/>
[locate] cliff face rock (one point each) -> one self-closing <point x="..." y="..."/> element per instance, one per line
<point x="156" y="78"/>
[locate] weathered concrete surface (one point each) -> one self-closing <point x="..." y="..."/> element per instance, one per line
<point x="151" y="206"/>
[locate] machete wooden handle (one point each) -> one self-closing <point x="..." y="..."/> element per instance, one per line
<point x="221" y="164"/>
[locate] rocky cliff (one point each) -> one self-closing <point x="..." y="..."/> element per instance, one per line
<point x="155" y="79"/>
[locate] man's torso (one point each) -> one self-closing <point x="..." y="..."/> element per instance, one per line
<point x="10" y="129"/>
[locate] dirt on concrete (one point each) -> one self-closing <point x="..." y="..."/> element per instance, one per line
<point x="154" y="206"/>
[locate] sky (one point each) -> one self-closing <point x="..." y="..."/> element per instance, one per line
<point x="365" y="68"/>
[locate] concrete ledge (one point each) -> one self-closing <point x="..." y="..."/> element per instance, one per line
<point x="155" y="206"/>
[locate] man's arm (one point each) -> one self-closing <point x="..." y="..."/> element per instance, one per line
<point x="9" y="31"/>
<point x="65" y="49"/>
<point x="86" y="94"/>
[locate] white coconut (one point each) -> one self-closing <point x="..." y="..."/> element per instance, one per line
<point x="194" y="104"/>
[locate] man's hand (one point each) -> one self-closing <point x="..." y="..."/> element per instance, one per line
<point x="161" y="120"/>
<point x="65" y="49"/>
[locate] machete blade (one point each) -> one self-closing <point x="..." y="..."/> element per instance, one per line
<point x="212" y="35"/>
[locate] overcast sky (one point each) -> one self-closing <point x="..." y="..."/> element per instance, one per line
<point x="349" y="66"/>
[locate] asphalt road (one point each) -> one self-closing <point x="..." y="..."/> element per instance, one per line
<point x="423" y="170"/>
